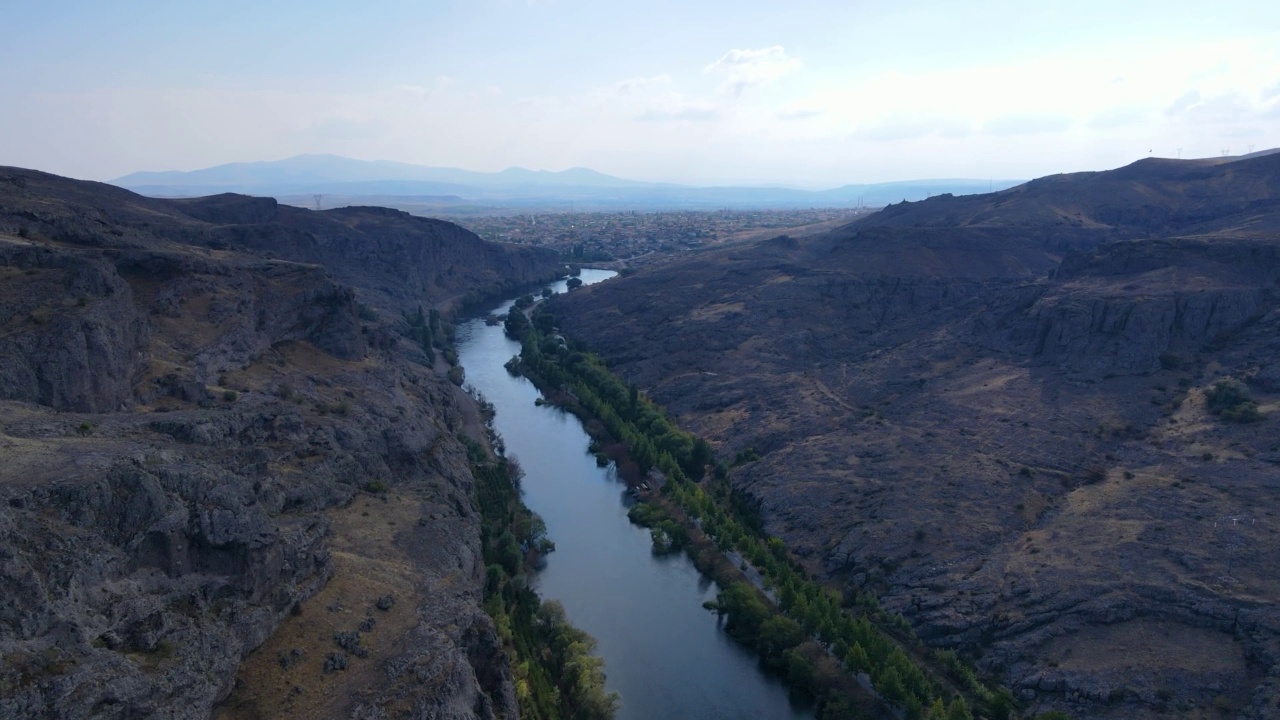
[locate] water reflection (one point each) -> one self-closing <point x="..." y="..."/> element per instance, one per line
<point x="663" y="652"/>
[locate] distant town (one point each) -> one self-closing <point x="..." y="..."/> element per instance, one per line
<point x="633" y="239"/>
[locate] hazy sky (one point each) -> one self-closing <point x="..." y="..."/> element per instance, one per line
<point x="808" y="93"/>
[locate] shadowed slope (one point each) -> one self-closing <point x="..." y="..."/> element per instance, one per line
<point x="190" y="393"/>
<point x="993" y="411"/>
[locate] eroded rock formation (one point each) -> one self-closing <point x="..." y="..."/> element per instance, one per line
<point x="991" y="411"/>
<point x="199" y="401"/>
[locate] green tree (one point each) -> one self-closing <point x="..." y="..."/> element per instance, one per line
<point x="801" y="674"/>
<point x="959" y="710"/>
<point x="516" y="325"/>
<point x="1001" y="707"/>
<point x="509" y="554"/>
<point x="779" y="634"/>
<point x="745" y="609"/>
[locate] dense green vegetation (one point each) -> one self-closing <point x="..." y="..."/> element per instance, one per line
<point x="667" y="534"/>
<point x="810" y="623"/>
<point x="430" y="331"/>
<point x="556" y="676"/>
<point x="516" y="324"/>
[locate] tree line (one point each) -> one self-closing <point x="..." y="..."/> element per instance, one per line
<point x="556" y="675"/>
<point x="809" y="621"/>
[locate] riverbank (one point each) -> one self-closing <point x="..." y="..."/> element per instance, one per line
<point x="556" y="674"/>
<point x="849" y="630"/>
<point x="665" y="654"/>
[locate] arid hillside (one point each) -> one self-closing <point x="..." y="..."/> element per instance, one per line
<point x="1041" y="423"/>
<point x="216" y="432"/>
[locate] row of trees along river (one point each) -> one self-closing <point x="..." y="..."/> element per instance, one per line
<point x="776" y="643"/>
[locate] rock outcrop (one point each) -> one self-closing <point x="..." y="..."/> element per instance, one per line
<point x="194" y="397"/>
<point x="992" y="412"/>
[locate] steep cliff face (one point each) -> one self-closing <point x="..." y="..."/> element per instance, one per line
<point x="994" y="413"/>
<point x="212" y="444"/>
<point x="1122" y="307"/>
<point x="136" y="592"/>
<point x="75" y="339"/>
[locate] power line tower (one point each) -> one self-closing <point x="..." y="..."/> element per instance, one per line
<point x="318" y="198"/>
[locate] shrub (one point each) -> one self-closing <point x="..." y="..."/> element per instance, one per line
<point x="1230" y="399"/>
<point x="1226" y="393"/>
<point x="337" y="408"/>
<point x="456" y="375"/>
<point x="1245" y="412"/>
<point x="230" y="395"/>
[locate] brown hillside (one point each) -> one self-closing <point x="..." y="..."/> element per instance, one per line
<point x="224" y="466"/>
<point x="993" y="412"/>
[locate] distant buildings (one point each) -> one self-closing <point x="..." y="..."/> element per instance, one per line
<point x="637" y="238"/>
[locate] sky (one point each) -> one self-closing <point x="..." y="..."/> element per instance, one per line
<point x="806" y="93"/>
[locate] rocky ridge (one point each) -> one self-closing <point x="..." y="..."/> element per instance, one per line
<point x="195" y="396"/>
<point x="993" y="412"/>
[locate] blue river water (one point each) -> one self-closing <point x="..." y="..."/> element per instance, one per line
<point x="663" y="652"/>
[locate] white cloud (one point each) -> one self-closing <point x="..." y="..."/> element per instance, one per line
<point x="640" y="84"/>
<point x="1026" y="124"/>
<point x="1116" y="117"/>
<point x="1182" y="104"/>
<point x="908" y="127"/>
<point x="742" y="69"/>
<point x="680" y="111"/>
<point x="800" y="113"/>
<point x="1163" y="94"/>
<point x="670" y="106"/>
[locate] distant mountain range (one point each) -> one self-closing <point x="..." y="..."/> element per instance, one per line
<point x="452" y="188"/>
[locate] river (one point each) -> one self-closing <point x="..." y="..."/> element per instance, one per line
<point x="663" y="652"/>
